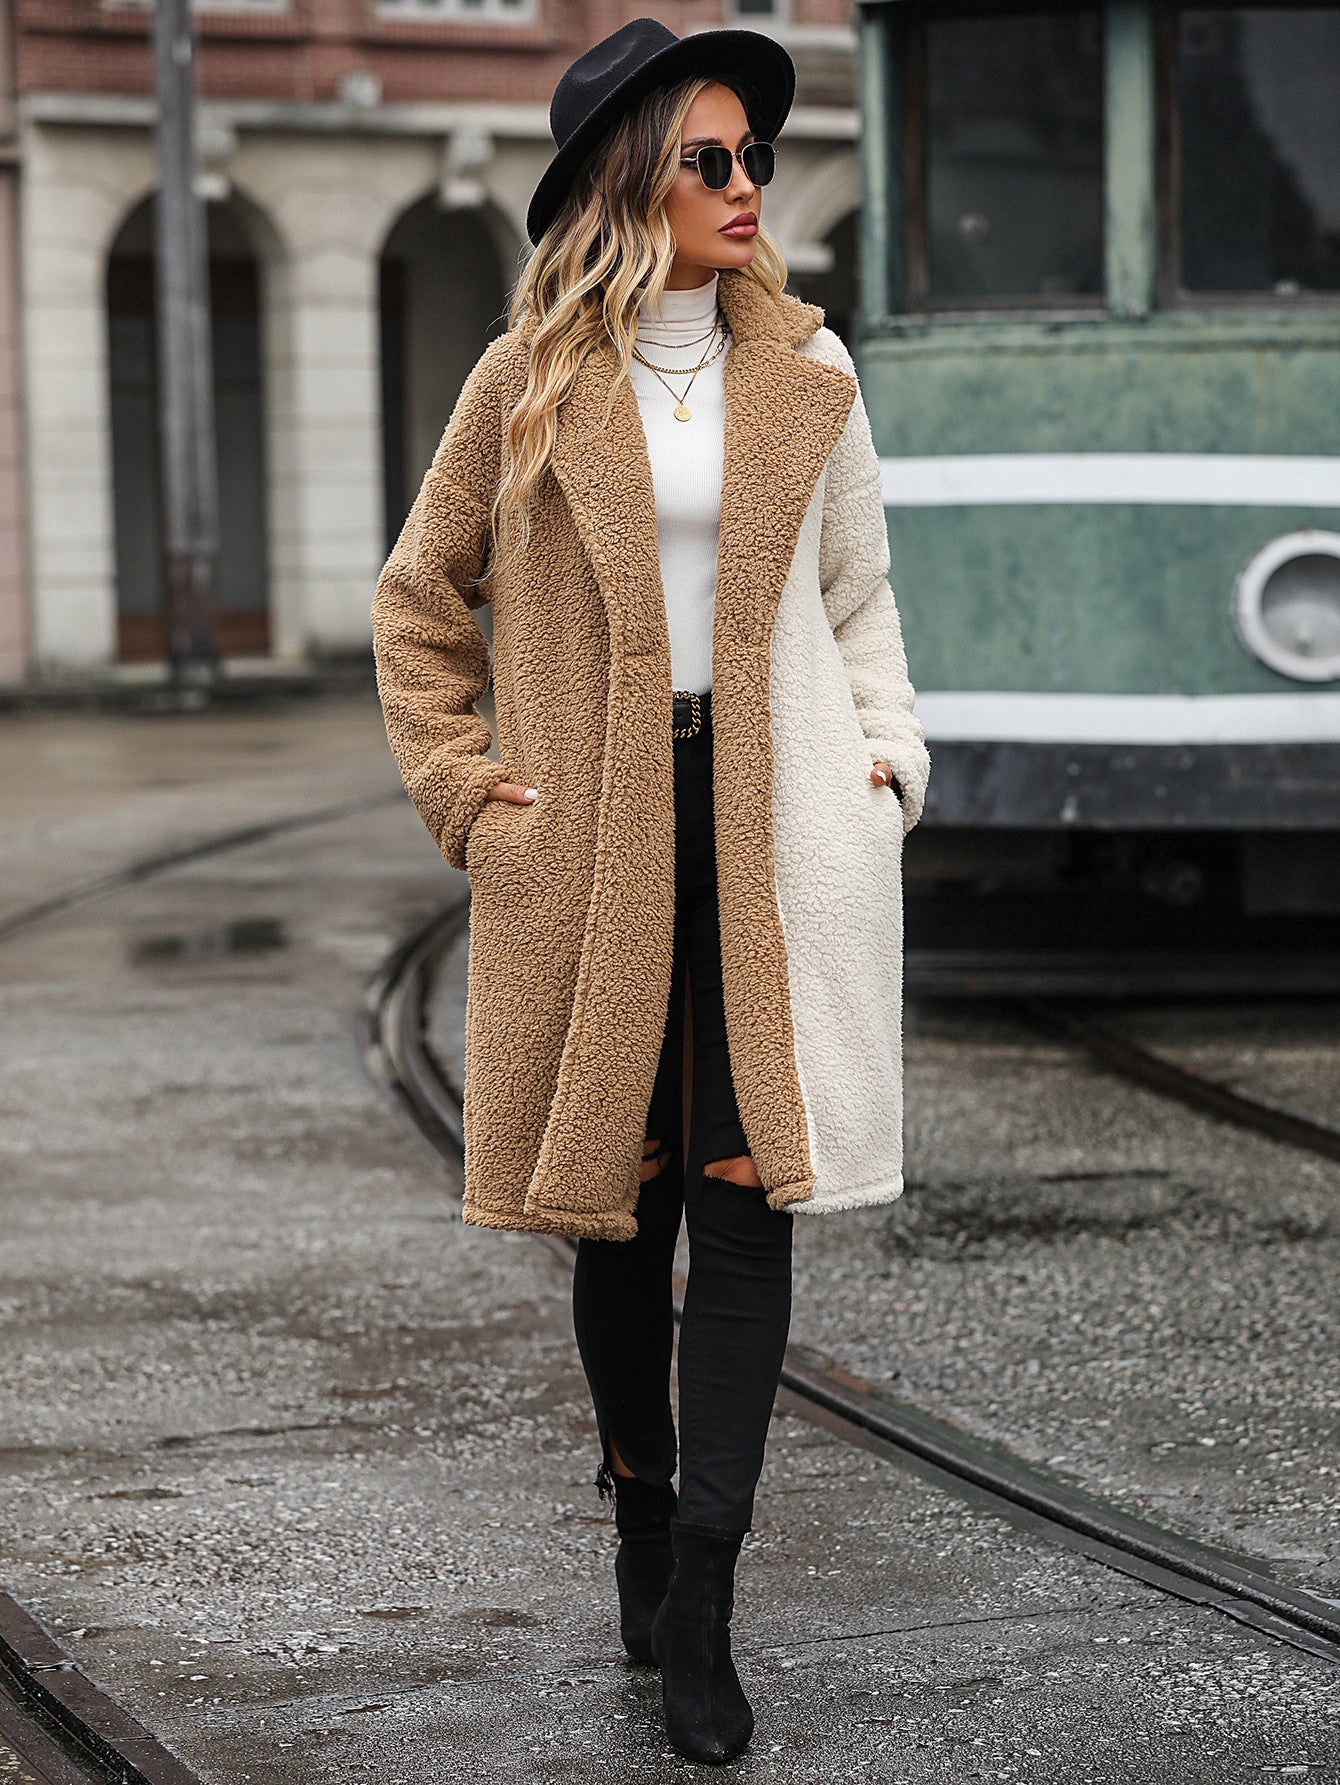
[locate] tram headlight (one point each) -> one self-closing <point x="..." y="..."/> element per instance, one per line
<point x="1287" y="606"/>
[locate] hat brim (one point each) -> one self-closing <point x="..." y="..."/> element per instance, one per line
<point x="747" y="59"/>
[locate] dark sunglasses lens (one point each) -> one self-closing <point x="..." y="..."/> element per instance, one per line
<point x="760" y="162"/>
<point x="714" y="167"/>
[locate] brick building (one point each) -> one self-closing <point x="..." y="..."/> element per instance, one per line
<point x="368" y="164"/>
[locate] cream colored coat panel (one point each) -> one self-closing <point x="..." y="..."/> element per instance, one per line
<point x="840" y="700"/>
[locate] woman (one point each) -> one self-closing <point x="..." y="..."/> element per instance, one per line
<point x="684" y="975"/>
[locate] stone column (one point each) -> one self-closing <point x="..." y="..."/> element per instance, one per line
<point x="14" y="593"/>
<point x="331" y="201"/>
<point x="78" y="185"/>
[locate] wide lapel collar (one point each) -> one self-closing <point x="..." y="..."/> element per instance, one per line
<point x="784" y="413"/>
<point x="597" y="1116"/>
<point x="603" y="468"/>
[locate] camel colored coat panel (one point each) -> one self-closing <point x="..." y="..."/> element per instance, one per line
<point x="572" y="898"/>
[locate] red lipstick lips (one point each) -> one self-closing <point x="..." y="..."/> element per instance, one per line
<point x="746" y="224"/>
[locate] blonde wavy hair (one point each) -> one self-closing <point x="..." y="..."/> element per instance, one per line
<point x="609" y="247"/>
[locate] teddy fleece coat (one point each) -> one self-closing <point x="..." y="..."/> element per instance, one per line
<point x="572" y="896"/>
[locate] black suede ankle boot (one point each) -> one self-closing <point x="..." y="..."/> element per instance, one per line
<point x="707" y="1716"/>
<point x="642" y="1514"/>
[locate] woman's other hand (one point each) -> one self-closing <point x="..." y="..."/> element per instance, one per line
<point x="513" y="791"/>
<point x="881" y="773"/>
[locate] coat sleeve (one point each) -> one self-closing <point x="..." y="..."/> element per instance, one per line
<point x="853" y="575"/>
<point x="432" y="659"/>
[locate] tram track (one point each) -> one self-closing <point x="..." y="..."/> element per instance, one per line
<point x="65" y="1728"/>
<point x="1056" y="991"/>
<point x="1169" y="1079"/>
<point x="992" y="1477"/>
<point x="146" y="867"/>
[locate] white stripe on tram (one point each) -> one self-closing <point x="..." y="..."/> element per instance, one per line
<point x="1265" y="481"/>
<point x="1131" y="718"/>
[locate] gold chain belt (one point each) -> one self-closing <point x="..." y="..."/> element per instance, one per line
<point x="695" y="708"/>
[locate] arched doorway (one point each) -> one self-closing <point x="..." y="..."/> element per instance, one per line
<point x="242" y="598"/>
<point x="443" y="299"/>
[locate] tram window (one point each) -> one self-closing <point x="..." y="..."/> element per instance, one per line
<point x="1259" y="149"/>
<point x="1014" y="158"/>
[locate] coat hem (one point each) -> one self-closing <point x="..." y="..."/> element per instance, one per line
<point x="786" y="1196"/>
<point x="864" y="1196"/>
<point x="610" y="1224"/>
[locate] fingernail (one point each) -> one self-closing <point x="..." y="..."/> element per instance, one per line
<point x="881" y="777"/>
<point x="532" y="793"/>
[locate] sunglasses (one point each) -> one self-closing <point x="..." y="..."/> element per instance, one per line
<point x="716" y="163"/>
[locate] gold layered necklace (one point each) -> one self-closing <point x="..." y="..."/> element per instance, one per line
<point x="708" y="334"/>
<point x="716" y="333"/>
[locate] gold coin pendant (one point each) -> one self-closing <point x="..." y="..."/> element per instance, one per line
<point x="683" y="412"/>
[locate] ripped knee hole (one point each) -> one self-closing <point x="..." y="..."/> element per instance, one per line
<point x="740" y="1169"/>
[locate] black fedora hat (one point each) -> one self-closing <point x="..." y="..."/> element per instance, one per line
<point x="622" y="68"/>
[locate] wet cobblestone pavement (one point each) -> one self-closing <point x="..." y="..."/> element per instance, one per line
<point x="298" y="1467"/>
<point x="1140" y="1297"/>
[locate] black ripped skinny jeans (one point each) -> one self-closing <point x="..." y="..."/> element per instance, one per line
<point x="737" y="1308"/>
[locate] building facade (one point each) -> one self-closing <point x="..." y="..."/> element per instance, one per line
<point x="367" y="165"/>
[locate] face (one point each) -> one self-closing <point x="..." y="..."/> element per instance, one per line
<point x="712" y="229"/>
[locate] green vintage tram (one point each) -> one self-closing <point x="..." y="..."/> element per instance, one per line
<point x="1100" y="346"/>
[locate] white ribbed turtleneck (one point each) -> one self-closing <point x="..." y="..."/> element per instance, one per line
<point x="686" y="466"/>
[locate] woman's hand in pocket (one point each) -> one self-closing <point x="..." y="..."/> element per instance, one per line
<point x="514" y="792"/>
<point x="881" y="773"/>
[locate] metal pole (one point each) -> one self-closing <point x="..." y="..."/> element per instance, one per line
<point x="1130" y="157"/>
<point x="881" y="147"/>
<point x="185" y="362"/>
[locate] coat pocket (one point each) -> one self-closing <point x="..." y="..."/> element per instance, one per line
<point x="503" y="840"/>
<point x="479" y="837"/>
